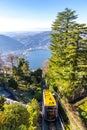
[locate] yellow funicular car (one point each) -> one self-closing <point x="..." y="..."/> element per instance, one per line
<point x="50" y="108"/>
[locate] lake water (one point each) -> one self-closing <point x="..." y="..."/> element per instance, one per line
<point x="37" y="57"/>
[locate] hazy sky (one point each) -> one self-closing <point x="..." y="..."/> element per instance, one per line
<point x="27" y="15"/>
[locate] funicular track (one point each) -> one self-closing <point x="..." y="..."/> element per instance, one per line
<point x="54" y="125"/>
<point x="58" y="125"/>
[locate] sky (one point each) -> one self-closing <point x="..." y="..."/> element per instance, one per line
<point x="36" y="15"/>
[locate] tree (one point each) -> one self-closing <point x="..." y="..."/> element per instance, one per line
<point x="22" y="127"/>
<point x="13" y="60"/>
<point x="12" y="83"/>
<point x="1" y="119"/>
<point x="38" y="75"/>
<point x="23" y="67"/>
<point x="45" y="68"/>
<point x="2" y="100"/>
<point x="6" y="69"/>
<point x="15" y="116"/>
<point x="68" y="63"/>
<point x="33" y="110"/>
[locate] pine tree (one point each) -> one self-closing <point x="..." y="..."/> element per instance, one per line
<point x="69" y="54"/>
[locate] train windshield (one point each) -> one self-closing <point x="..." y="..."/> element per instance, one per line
<point x="51" y="113"/>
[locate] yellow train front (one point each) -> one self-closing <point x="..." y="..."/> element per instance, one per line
<point x="50" y="108"/>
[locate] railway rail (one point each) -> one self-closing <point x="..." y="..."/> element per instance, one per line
<point x="57" y="125"/>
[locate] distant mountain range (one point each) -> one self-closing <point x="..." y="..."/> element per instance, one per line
<point x="34" y="40"/>
<point x="9" y="44"/>
<point x="25" y="41"/>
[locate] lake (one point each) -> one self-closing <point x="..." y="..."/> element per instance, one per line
<point x="37" y="57"/>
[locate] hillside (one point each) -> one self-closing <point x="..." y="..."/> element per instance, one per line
<point x="9" y="44"/>
<point x="33" y="40"/>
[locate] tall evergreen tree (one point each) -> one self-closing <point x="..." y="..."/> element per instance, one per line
<point x="68" y="63"/>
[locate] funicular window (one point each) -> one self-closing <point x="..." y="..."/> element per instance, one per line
<point x="51" y="113"/>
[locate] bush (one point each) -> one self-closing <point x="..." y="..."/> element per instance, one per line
<point x="83" y="111"/>
<point x="12" y="83"/>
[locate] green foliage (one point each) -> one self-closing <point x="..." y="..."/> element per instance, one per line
<point x="68" y="63"/>
<point x="23" y="67"/>
<point x="83" y="111"/>
<point x="23" y="80"/>
<point x="33" y="110"/>
<point x="14" y="116"/>
<point x="33" y="79"/>
<point x="15" y="71"/>
<point x="17" y="117"/>
<point x="22" y="127"/>
<point x="1" y="119"/>
<point x="38" y="94"/>
<point x="2" y="100"/>
<point x="12" y="83"/>
<point x="21" y="72"/>
<point x="36" y="76"/>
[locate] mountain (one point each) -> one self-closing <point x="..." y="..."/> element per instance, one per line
<point x="33" y="40"/>
<point x="24" y="41"/>
<point x="9" y="44"/>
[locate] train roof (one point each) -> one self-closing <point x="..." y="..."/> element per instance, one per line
<point x="48" y="98"/>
